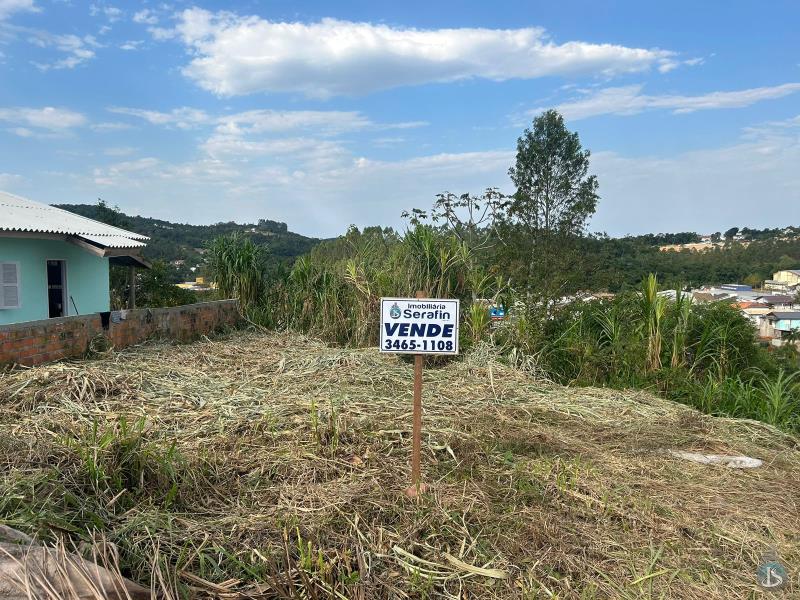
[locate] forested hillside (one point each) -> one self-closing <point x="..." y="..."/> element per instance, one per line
<point x="183" y="242"/>
<point x="615" y="263"/>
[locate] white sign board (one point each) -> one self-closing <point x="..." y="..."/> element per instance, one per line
<point x="419" y="326"/>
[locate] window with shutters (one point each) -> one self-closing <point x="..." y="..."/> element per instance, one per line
<point x="9" y="285"/>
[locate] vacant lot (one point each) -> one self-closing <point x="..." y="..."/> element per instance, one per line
<point x="264" y="465"/>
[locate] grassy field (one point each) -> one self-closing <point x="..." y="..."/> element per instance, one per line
<point x="270" y="465"/>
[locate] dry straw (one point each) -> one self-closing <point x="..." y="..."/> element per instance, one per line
<point x="270" y="465"/>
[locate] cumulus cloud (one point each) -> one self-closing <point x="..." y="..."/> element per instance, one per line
<point x="629" y="100"/>
<point x="77" y="49"/>
<point x="131" y="45"/>
<point x="112" y="13"/>
<point x="47" y="119"/>
<point x="146" y="16"/>
<point x="234" y="55"/>
<point x="8" y="7"/>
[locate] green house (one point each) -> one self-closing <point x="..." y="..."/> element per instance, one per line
<point x="54" y="263"/>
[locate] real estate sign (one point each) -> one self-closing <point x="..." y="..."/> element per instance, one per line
<point x="419" y="326"/>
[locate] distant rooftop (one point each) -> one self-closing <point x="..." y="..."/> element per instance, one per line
<point x="776" y="298"/>
<point x="786" y="315"/>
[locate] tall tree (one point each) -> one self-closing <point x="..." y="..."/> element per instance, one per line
<point x="555" y="199"/>
<point x="731" y="233"/>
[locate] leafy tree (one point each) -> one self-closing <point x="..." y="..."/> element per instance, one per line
<point x="753" y="280"/>
<point x="731" y="233"/>
<point x="157" y="290"/>
<point x="555" y="194"/>
<point x="554" y="200"/>
<point x="472" y="219"/>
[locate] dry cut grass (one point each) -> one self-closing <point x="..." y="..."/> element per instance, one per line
<point x="269" y="465"/>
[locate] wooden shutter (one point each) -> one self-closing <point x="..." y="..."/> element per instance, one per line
<point x="9" y="285"/>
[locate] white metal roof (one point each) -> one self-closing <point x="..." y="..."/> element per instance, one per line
<point x="21" y="214"/>
<point x="114" y="241"/>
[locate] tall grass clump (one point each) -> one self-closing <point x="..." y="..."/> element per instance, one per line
<point x="237" y="266"/>
<point x="334" y="292"/>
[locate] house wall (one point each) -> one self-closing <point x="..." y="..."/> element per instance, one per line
<point x="787" y="324"/>
<point x="786" y="277"/>
<point x="87" y="278"/>
<point x="37" y="342"/>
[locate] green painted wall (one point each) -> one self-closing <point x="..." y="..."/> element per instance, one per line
<point x="787" y="324"/>
<point x="87" y="278"/>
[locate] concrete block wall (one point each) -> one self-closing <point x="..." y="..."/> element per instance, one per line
<point x="37" y="342"/>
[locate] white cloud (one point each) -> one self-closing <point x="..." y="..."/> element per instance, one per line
<point x="321" y="122"/>
<point x="145" y="16"/>
<point x="161" y="34"/>
<point x="128" y="175"/>
<point x="8" y="7"/>
<point x="48" y="119"/>
<point x="107" y="127"/>
<point x="629" y="100"/>
<point x="8" y="179"/>
<point x="262" y="121"/>
<point x="112" y="13"/>
<point x="235" y="55"/>
<point x="182" y="118"/>
<point x="693" y="62"/>
<point x="77" y="49"/>
<point x="131" y="45"/>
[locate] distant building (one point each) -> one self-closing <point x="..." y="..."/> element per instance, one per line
<point x="777" y="301"/>
<point x="755" y="311"/>
<point x="784" y="281"/>
<point x="736" y="287"/>
<point x="198" y="285"/>
<point x="777" y="324"/>
<point x="703" y="296"/>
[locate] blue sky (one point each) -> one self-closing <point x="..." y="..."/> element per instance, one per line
<point x="325" y="114"/>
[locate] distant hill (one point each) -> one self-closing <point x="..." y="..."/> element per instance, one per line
<point x="184" y="244"/>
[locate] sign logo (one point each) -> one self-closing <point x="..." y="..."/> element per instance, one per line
<point x="394" y="312"/>
<point x="772" y="575"/>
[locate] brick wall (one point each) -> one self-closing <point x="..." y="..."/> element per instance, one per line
<point x="36" y="342"/>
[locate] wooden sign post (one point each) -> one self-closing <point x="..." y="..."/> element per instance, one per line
<point x="417" y="487"/>
<point x="418" y="326"/>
